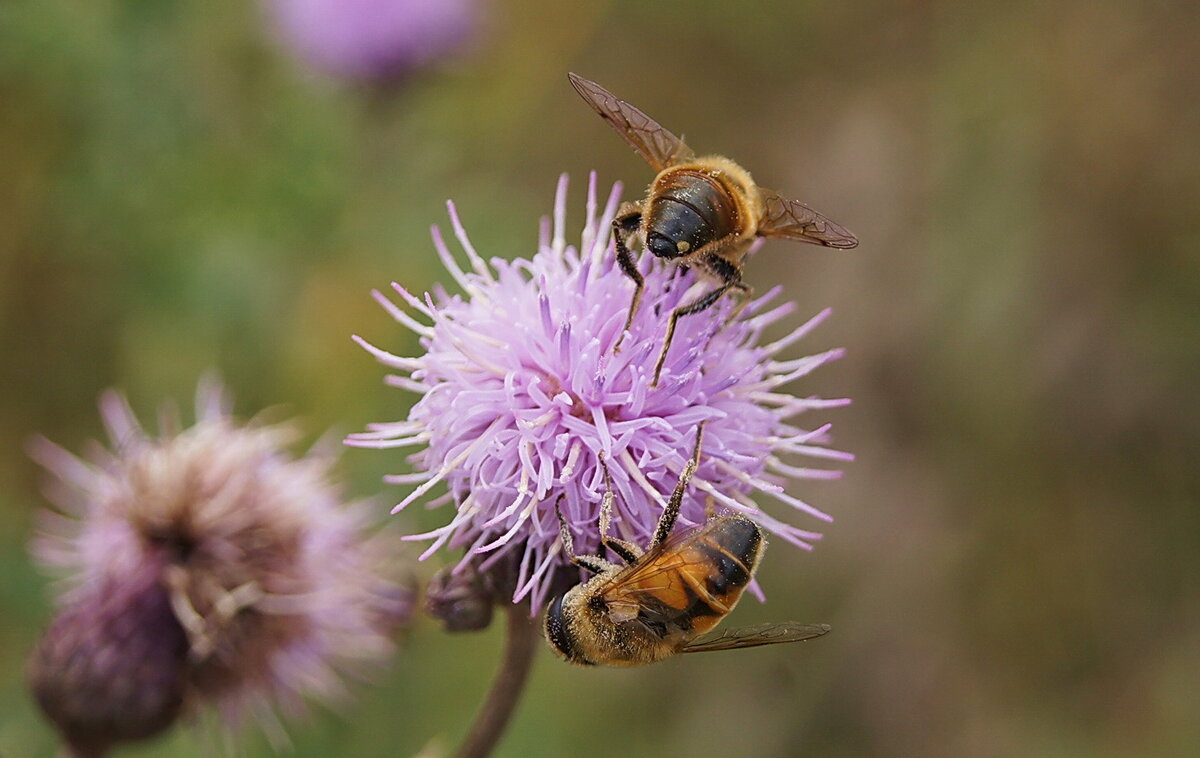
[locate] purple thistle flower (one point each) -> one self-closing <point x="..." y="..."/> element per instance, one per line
<point x="263" y="586"/>
<point x="521" y="392"/>
<point x="374" y="39"/>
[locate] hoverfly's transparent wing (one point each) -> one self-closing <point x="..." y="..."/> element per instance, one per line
<point x="792" y="219"/>
<point x="658" y="146"/>
<point x="753" y="636"/>
<point x="655" y="587"/>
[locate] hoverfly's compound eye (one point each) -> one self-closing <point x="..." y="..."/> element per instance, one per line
<point x="556" y="629"/>
<point x="662" y="245"/>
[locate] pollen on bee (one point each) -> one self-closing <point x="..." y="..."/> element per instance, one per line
<point x="683" y="246"/>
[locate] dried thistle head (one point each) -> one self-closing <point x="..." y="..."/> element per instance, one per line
<point x="218" y="535"/>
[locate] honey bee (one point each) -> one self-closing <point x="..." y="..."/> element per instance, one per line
<point x="700" y="211"/>
<point x="657" y="604"/>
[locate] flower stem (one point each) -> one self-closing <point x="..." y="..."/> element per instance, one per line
<point x="74" y="750"/>
<point x="490" y="722"/>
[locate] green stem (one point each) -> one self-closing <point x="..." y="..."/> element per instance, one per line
<point x="74" y="750"/>
<point x="519" y="647"/>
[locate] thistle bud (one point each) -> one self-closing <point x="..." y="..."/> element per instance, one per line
<point x="460" y="599"/>
<point x="111" y="666"/>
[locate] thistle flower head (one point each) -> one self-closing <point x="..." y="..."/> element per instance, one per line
<point x="214" y="534"/>
<point x="374" y="39"/>
<point x="520" y="394"/>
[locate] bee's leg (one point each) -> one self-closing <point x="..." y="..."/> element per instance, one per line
<point x="628" y="551"/>
<point x="703" y="303"/>
<point x="593" y="563"/>
<point x="666" y="522"/>
<point x="624" y="225"/>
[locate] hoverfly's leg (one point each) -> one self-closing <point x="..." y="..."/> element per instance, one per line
<point x="701" y="304"/>
<point x="732" y="276"/>
<point x="628" y="551"/>
<point x="746" y="294"/>
<point x="666" y="522"/>
<point x="564" y="533"/>
<point x="624" y="225"/>
<point x="592" y="563"/>
<point x="677" y="275"/>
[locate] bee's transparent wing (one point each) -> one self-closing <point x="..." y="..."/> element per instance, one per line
<point x="657" y="145"/>
<point x="792" y="219"/>
<point x="753" y="636"/>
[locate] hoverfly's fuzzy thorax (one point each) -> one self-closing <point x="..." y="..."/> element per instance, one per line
<point x="582" y="631"/>
<point x="741" y="188"/>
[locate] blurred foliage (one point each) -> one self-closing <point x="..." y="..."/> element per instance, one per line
<point x="1015" y="568"/>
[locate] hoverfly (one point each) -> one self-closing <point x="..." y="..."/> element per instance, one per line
<point x="700" y="211"/>
<point x="665" y="597"/>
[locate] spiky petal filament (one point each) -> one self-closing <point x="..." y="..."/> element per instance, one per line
<point x="520" y="394"/>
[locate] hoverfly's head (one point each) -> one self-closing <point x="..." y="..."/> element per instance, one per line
<point x="560" y="632"/>
<point x="664" y="247"/>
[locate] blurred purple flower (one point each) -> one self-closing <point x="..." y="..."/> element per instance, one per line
<point x="204" y="563"/>
<point x="520" y="392"/>
<point x="375" y="39"/>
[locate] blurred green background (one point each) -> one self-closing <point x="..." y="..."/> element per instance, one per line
<point x="1015" y="565"/>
